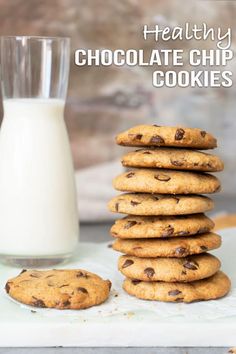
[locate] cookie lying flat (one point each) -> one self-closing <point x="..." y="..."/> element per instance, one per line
<point x="166" y="182"/>
<point x="206" y="289"/>
<point x="161" y="226"/>
<point x="185" y="269"/>
<point x="159" y="204"/>
<point x="177" y="159"/>
<point x="169" y="247"/>
<point x="61" y="289"/>
<point x="153" y="135"/>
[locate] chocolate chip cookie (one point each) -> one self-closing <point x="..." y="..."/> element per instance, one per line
<point x="159" y="204"/>
<point x="170" y="158"/>
<point x="161" y="226"/>
<point x="166" y="182"/>
<point x="154" y="135"/>
<point x="184" y="269"/>
<point x="168" y="247"/>
<point x="214" y="287"/>
<point x="60" y="289"/>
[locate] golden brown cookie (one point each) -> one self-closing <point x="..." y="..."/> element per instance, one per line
<point x="154" y="135"/>
<point x="159" y="204"/>
<point x="214" y="287"/>
<point x="166" y="182"/>
<point x="61" y="289"/>
<point x="185" y="269"/>
<point x="176" y="159"/>
<point x="168" y="247"/>
<point x="161" y="226"/>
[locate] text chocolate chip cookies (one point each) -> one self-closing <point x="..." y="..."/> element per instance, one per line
<point x="165" y="235"/>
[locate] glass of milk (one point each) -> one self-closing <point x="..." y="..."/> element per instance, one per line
<point x="38" y="207"/>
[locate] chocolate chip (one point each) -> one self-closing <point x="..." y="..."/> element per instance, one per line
<point x="154" y="125"/>
<point x="183" y="272"/>
<point x="177" y="163"/>
<point x="110" y="244"/>
<point x="138" y="136"/>
<point x="149" y="272"/>
<point x="133" y="203"/>
<point x="154" y="197"/>
<point x="135" y="281"/>
<point x="157" y="139"/>
<point x="81" y="274"/>
<point x="174" y="292"/>
<point x="130" y="174"/>
<point x="147" y="153"/>
<point x="117" y="207"/>
<point x="161" y="177"/>
<point x="23" y="271"/>
<point x="127" y="263"/>
<point x="66" y="303"/>
<point x="180" y="251"/>
<point x="83" y="290"/>
<point x="179" y="299"/>
<point x="202" y="230"/>
<point x="7" y="287"/>
<point x="62" y="286"/>
<point x="203" y="133"/>
<point x="129" y="224"/>
<point x="179" y="134"/>
<point x="209" y="165"/>
<point x="203" y="248"/>
<point x="135" y="136"/>
<point x="190" y="265"/>
<point x="38" y="303"/>
<point x="168" y="231"/>
<point x="175" y="198"/>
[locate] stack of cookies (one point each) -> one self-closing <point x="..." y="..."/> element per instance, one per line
<point x="166" y="234"/>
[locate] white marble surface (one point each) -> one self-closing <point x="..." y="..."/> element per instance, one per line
<point x="156" y="350"/>
<point x="148" y="323"/>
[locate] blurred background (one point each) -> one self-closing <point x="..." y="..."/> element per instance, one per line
<point x="103" y="101"/>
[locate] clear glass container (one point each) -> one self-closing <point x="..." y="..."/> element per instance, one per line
<point x="38" y="207"/>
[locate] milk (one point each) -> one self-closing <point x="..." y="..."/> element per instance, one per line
<point x="38" y="213"/>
